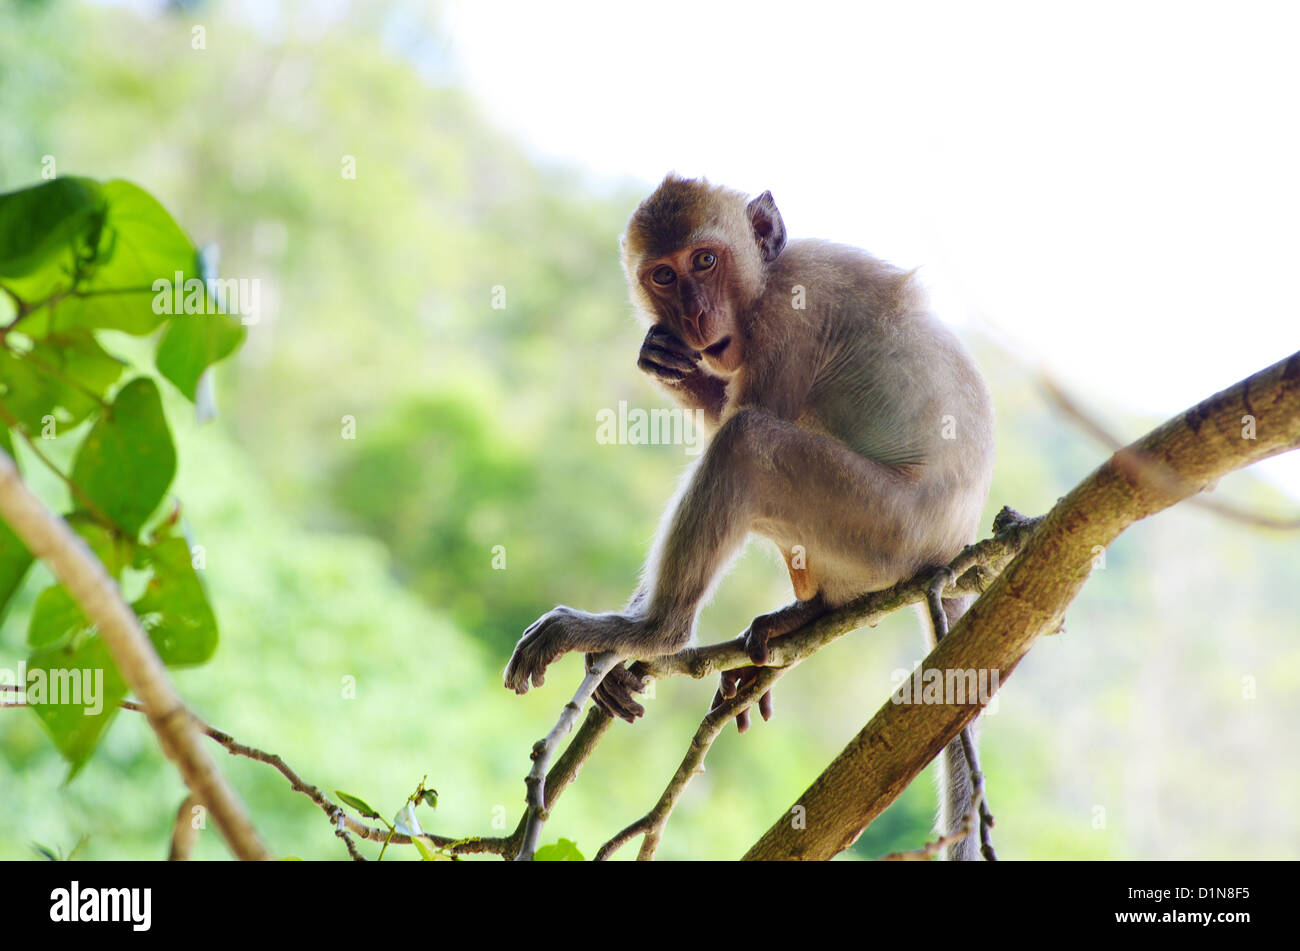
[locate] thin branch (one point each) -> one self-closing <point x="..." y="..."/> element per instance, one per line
<point x="562" y="774"/>
<point x="21" y="310"/>
<point x="338" y="817"/>
<point x="184" y="832"/>
<point x="651" y="825"/>
<point x="535" y="782"/>
<point x="974" y="568"/>
<point x="50" y="539"/>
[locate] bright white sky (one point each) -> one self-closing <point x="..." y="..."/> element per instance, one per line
<point x="1116" y="186"/>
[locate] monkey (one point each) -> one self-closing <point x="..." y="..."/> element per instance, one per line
<point x="845" y="423"/>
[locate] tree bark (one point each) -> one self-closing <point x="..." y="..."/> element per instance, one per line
<point x="1184" y="456"/>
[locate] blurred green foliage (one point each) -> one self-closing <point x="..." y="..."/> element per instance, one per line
<point x="78" y="259"/>
<point x="363" y="624"/>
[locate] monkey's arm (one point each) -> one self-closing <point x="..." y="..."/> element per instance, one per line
<point x="666" y="359"/>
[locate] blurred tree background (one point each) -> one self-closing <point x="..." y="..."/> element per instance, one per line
<point x="1156" y="726"/>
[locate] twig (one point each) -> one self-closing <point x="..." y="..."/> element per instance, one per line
<point x="652" y="823"/>
<point x="975" y="567"/>
<point x="334" y="811"/>
<point x="535" y="782"/>
<point x="979" y="795"/>
<point x="184" y="832"/>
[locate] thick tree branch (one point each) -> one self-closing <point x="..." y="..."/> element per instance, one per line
<point x="50" y="539"/>
<point x="1185" y="455"/>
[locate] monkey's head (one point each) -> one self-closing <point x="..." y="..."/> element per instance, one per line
<point x="696" y="256"/>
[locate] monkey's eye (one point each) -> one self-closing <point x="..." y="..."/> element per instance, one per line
<point x="703" y="260"/>
<point x="663" y="275"/>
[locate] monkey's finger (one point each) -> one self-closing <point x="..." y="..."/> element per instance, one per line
<point x="663" y="336"/>
<point x="620" y="705"/>
<point x="742" y="720"/>
<point x="610" y="703"/>
<point x="615" y="693"/>
<point x="654" y="369"/>
<point x="730" y="679"/>
<point x="512" y="673"/>
<point x="673" y="359"/>
<point x="765" y="706"/>
<point x="669" y="343"/>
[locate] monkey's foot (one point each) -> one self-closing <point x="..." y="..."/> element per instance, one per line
<point x="733" y="681"/>
<point x="614" y="695"/>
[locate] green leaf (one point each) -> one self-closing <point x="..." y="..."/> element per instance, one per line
<point x="357" y="803"/>
<point x="193" y="342"/>
<point x="427" y="854"/>
<point x="174" y="607"/>
<point x="57" y="378"/>
<point x="113" y="551"/>
<point x="55" y="619"/>
<point x="15" y="559"/>
<point x="127" y="460"/>
<point x="566" y="850"/>
<point x="44" y="230"/>
<point x="74" y="690"/>
<point x="140" y="244"/>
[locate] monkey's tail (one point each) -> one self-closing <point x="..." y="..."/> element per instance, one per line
<point x="955" y="788"/>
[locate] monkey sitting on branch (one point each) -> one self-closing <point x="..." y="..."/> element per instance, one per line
<point x="847" y="424"/>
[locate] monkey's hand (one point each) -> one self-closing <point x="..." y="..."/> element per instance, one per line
<point x="733" y="681"/>
<point x="666" y="357"/>
<point x="564" y="629"/>
<point x="614" y="695"/>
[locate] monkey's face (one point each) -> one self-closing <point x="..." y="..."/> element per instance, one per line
<point x="691" y="294"/>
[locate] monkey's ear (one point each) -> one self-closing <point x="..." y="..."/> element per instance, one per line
<point x="769" y="229"/>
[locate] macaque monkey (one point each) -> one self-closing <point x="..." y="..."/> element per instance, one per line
<point x="846" y="423"/>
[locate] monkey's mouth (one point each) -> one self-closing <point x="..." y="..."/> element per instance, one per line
<point x="719" y="348"/>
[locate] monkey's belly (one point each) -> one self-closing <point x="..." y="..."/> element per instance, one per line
<point x="838" y="578"/>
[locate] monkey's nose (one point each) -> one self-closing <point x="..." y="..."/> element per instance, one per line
<point x="693" y="314"/>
